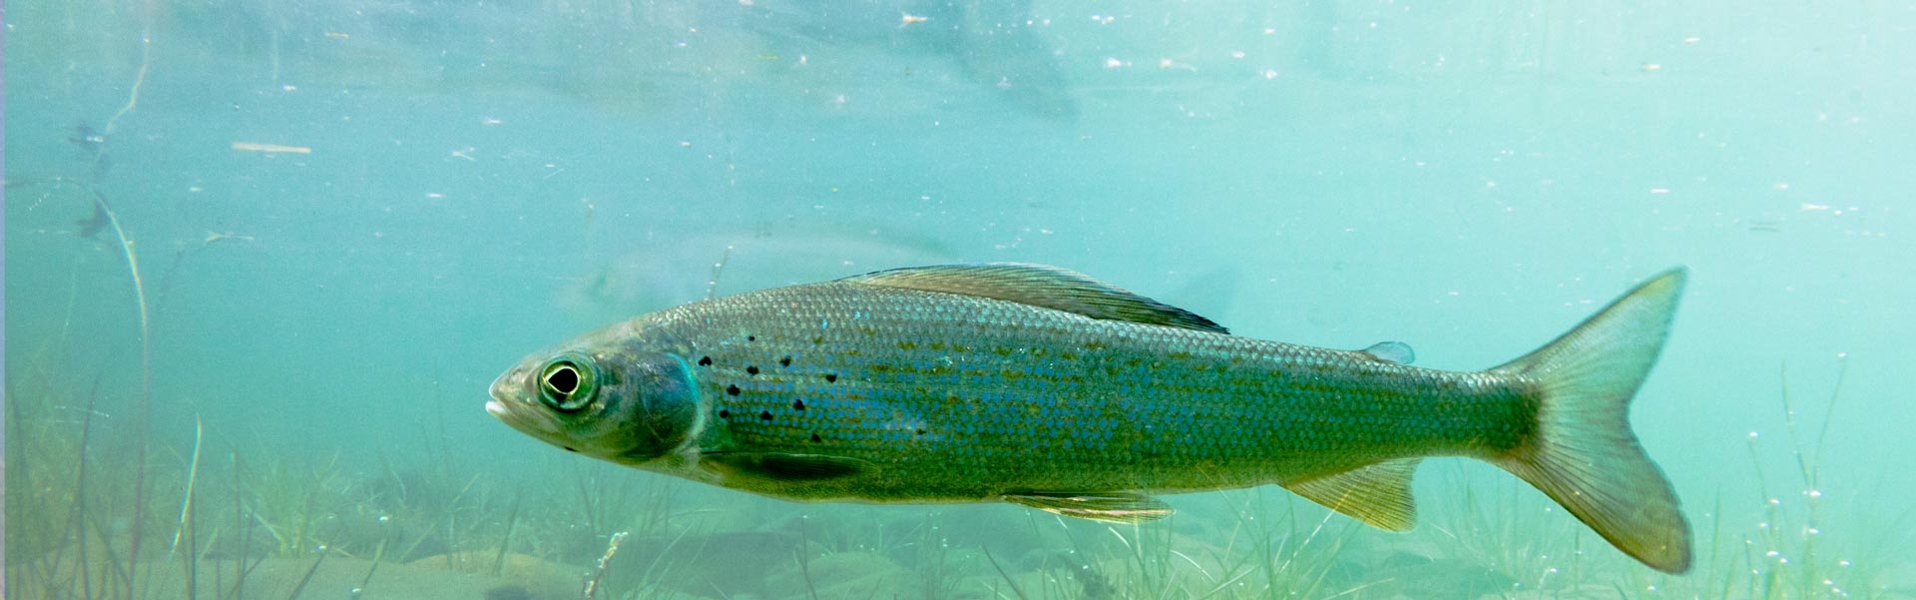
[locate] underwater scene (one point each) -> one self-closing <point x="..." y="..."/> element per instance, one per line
<point x="972" y="299"/>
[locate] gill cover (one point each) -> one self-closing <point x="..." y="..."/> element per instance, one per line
<point x="628" y="408"/>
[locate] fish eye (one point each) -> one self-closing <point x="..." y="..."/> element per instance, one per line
<point x="567" y="383"/>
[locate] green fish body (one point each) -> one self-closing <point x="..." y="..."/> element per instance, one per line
<point x="1046" y="388"/>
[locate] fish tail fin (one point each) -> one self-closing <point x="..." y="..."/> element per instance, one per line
<point x="1582" y="452"/>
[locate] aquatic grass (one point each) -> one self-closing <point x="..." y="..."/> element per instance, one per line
<point x="140" y="422"/>
<point x="505" y="540"/>
<point x="186" y="531"/>
<point x="39" y="496"/>
<point x="1259" y="553"/>
<point x="69" y="535"/>
<point x="308" y="577"/>
<point x="1786" y="558"/>
<point x="1516" y="532"/>
<point x="1295" y="563"/>
<point x="1009" y="581"/>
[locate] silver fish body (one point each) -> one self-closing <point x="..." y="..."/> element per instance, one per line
<point x="1046" y="388"/>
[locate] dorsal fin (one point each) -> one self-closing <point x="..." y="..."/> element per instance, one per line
<point x="1378" y="495"/>
<point x="1042" y="286"/>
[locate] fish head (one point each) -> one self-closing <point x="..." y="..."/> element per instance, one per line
<point x="620" y="402"/>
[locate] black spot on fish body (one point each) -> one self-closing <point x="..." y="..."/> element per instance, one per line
<point x="815" y="438"/>
<point x="751" y="370"/>
<point x="831" y="378"/>
<point x="725" y="414"/>
<point x="731" y="390"/>
<point x="798" y="405"/>
<point x="765" y="415"/>
<point x="705" y="361"/>
<point x="751" y="338"/>
<point x="785" y="362"/>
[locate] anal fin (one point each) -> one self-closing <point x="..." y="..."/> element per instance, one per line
<point x="1110" y="507"/>
<point x="1378" y="495"/>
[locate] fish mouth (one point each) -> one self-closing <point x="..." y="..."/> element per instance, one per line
<point x="501" y="404"/>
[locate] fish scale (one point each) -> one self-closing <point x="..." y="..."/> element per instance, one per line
<point x="991" y="397"/>
<point x="1043" y="387"/>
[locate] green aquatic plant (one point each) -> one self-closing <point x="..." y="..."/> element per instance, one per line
<point x="1509" y="531"/>
<point x="70" y="513"/>
<point x="1786" y="557"/>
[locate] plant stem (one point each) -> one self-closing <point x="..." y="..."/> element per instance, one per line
<point x="512" y="518"/>
<point x="185" y="530"/>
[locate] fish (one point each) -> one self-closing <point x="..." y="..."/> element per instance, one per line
<point x="1043" y="387"/>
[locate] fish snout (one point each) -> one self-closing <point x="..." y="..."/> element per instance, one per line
<point x="509" y="399"/>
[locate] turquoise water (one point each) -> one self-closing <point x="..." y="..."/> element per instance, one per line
<point x="480" y="181"/>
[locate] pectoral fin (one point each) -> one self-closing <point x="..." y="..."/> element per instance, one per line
<point x="1110" y="507"/>
<point x="1378" y="495"/>
<point x="779" y="466"/>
